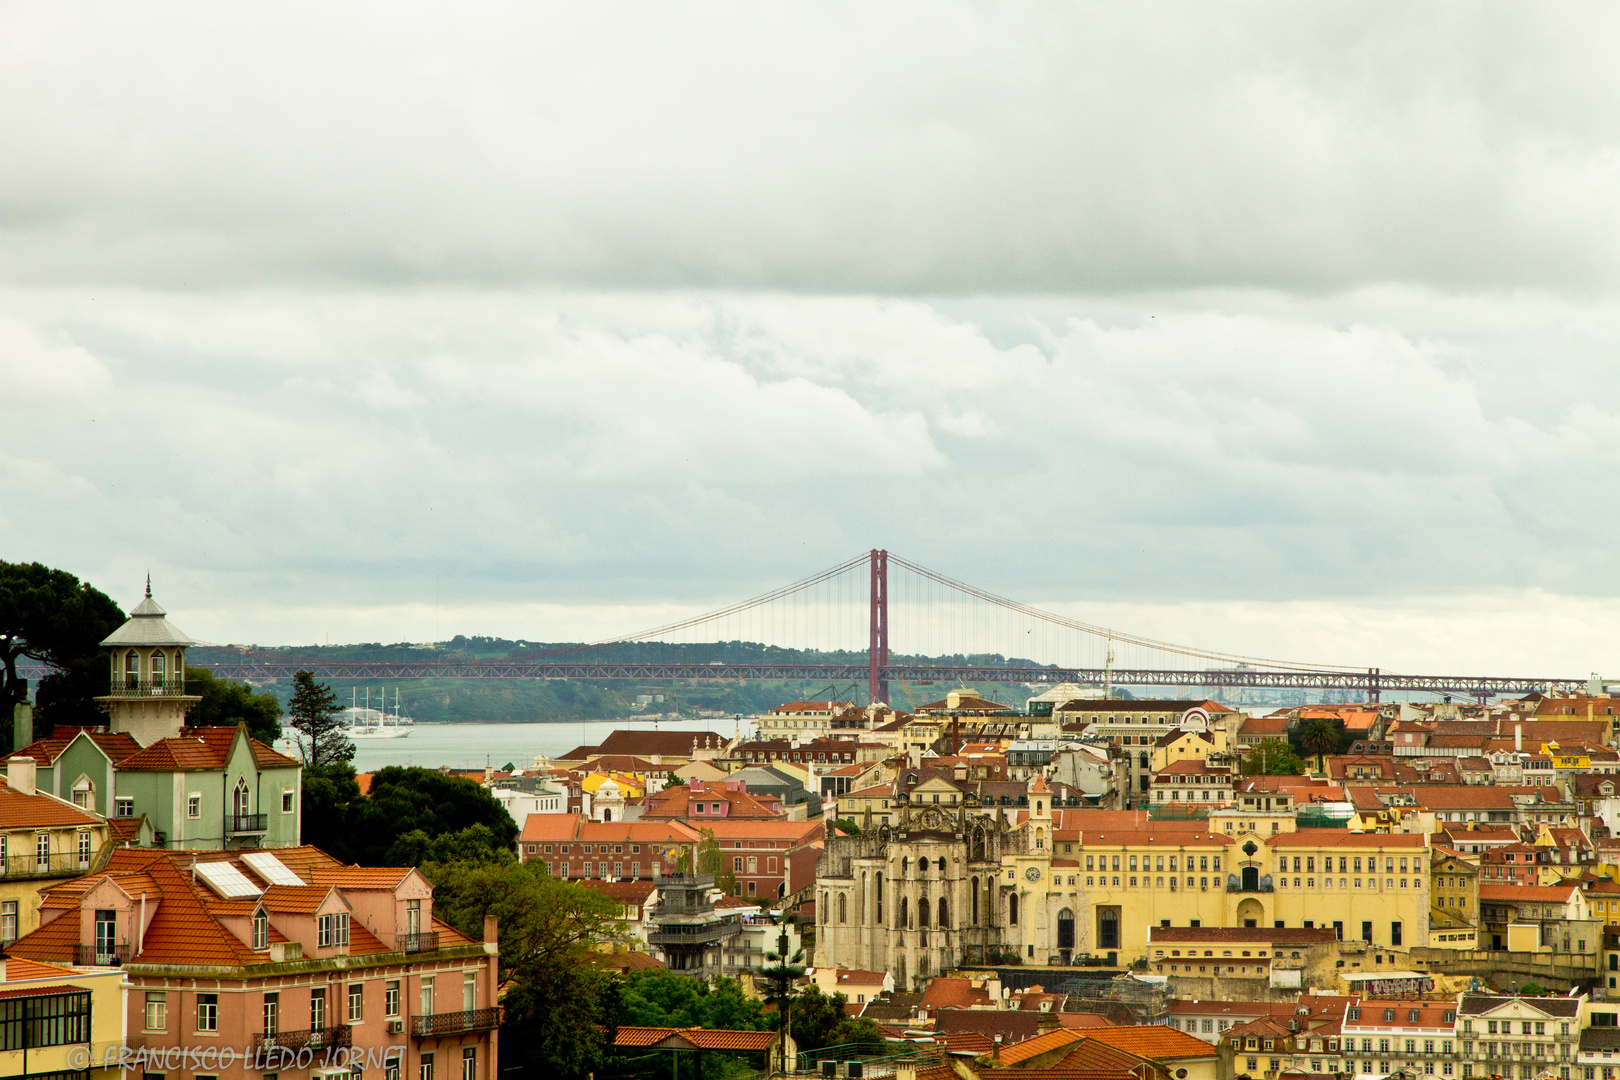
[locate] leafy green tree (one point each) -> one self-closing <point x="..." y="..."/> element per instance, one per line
<point x="712" y="860"/>
<point x="675" y="781"/>
<point x="225" y="704"/>
<point x="1272" y="757"/>
<point x="1320" y="736"/>
<point x="474" y="844"/>
<point x="561" y="1012"/>
<point x="331" y="799"/>
<point x="406" y="799"/>
<point x="54" y="618"/>
<point x="857" y="1029"/>
<point x="847" y="826"/>
<point x="816" y="1016"/>
<point x="665" y="999"/>
<point x="312" y="712"/>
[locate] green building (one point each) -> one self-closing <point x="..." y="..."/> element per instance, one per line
<point x="156" y="780"/>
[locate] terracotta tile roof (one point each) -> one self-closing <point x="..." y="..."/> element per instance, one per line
<point x="1083" y="1020"/>
<point x="1153" y="1041"/>
<point x="19" y="968"/>
<point x="1541" y="894"/>
<point x="634" y="893"/>
<point x="45" y="751"/>
<point x="662" y="743"/>
<point x="1055" y="1039"/>
<point x="951" y="993"/>
<point x="701" y="1038"/>
<point x="676" y="803"/>
<point x="294" y="899"/>
<point x="971" y="1043"/>
<point x="201" y="749"/>
<point x="39" y="811"/>
<point x="32" y="991"/>
<point x="858" y="977"/>
<point x="358" y="877"/>
<point x="1095" y="1055"/>
<point x="566" y="827"/>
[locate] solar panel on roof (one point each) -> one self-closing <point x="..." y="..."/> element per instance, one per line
<point x="227" y="880"/>
<point x="271" y="869"/>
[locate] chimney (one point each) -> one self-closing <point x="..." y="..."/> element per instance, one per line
<point x="995" y="1049"/>
<point x="1518" y="738"/>
<point x="20" y="775"/>
<point x="490" y="932"/>
<point x="953" y="700"/>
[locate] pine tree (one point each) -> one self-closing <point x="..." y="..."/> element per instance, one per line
<point x="313" y="714"/>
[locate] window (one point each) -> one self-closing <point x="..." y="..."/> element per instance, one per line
<point x="333" y="930"/>
<point x="44" y="1020"/>
<point x="469" y="992"/>
<point x="123" y="806"/>
<point x="84" y="851"/>
<point x="207" y="1012"/>
<point x="194" y="805"/>
<point x="157" y="1011"/>
<point x="287" y="801"/>
<point x="42" y="851"/>
<point x="425" y="1071"/>
<point x="427" y="997"/>
<point x="469" y="1063"/>
<point x="8" y="921"/>
<point x="272" y="1013"/>
<point x="261" y="929"/>
<point x="357" y="1002"/>
<point x="391" y="998"/>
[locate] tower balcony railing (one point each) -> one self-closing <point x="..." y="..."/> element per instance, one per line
<point x="155" y="687"/>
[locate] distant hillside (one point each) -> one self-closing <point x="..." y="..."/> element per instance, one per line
<point x="562" y="700"/>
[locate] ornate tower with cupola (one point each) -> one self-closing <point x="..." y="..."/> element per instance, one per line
<point x="148" y="696"/>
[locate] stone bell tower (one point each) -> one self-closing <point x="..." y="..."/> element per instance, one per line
<point x="148" y="696"/>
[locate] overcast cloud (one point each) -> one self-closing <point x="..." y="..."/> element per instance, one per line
<point x="1287" y="332"/>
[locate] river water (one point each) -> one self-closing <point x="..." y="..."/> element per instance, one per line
<point x="470" y="746"/>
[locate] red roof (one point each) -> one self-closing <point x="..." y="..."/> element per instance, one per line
<point x="19" y="811"/>
<point x="202" y="749"/>
<point x="45" y="751"/>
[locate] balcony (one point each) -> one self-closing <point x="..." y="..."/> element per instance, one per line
<point x="1264" y="886"/>
<point x="423" y="941"/>
<point x="456" y="1023"/>
<point x="321" y="1038"/>
<point x="248" y="823"/>
<point x="57" y="864"/>
<point x="693" y="934"/>
<point x="101" y="955"/>
<point x="159" y="687"/>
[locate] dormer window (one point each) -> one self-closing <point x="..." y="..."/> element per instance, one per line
<point x="332" y="931"/>
<point x="261" y="930"/>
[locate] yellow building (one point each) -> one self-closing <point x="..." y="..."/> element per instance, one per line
<point x="1454" y="909"/>
<point x="878" y="801"/>
<point x="631" y="786"/>
<point x="43" y="840"/>
<point x="74" y="1019"/>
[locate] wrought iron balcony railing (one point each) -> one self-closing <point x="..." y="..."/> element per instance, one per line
<point x="423" y="941"/>
<point x="455" y="1023"/>
<point x="101" y="955"/>
<point x="248" y="823"/>
<point x="56" y="864"/>
<point x="159" y="687"/>
<point x="320" y="1038"/>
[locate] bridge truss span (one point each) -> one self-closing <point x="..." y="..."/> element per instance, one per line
<point x="1369" y="682"/>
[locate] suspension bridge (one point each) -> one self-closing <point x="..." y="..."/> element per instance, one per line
<point x="841" y="626"/>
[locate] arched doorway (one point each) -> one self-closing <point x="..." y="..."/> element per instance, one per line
<point x="1065" y="927"/>
<point x="1250" y="912"/>
<point x="1108" y="928"/>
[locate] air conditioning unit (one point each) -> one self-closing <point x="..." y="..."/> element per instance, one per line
<point x="396" y="1027"/>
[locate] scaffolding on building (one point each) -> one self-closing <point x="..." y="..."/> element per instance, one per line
<point x="1124" y="999"/>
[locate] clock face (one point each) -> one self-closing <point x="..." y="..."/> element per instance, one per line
<point x="1033" y="873"/>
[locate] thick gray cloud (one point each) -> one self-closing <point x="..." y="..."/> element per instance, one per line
<point x="1288" y="332"/>
<point x="930" y="148"/>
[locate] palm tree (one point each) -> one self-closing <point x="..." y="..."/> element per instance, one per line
<point x="1319" y="736"/>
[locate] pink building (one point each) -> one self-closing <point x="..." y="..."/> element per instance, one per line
<point x="283" y="962"/>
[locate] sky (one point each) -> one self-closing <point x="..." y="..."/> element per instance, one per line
<point x="1275" y="329"/>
